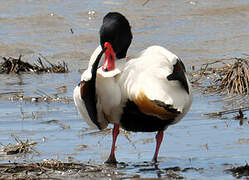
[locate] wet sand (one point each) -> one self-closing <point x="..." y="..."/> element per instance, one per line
<point x="61" y="30"/>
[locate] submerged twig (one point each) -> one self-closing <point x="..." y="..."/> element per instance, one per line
<point x="220" y="113"/>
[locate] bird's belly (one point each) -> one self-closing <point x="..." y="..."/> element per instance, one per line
<point x="132" y="119"/>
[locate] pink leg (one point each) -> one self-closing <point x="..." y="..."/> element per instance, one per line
<point x="159" y="138"/>
<point x="115" y="132"/>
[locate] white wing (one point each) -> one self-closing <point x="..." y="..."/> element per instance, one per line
<point x="145" y="76"/>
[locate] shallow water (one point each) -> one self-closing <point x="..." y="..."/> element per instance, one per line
<point x="197" y="31"/>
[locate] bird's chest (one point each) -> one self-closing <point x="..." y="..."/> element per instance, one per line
<point x="108" y="95"/>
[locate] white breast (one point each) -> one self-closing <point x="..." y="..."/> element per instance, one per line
<point x="109" y="94"/>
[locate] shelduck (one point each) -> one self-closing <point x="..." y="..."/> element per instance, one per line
<point x="146" y="93"/>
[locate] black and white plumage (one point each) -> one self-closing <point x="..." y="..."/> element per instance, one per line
<point x="147" y="93"/>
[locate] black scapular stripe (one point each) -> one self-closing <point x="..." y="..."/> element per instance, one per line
<point x="179" y="74"/>
<point x="89" y="92"/>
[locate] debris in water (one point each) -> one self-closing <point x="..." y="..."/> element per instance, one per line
<point x="63" y="126"/>
<point x="72" y="30"/>
<point x="55" y="169"/>
<point x="20" y="147"/>
<point x="13" y="65"/>
<point x="236" y="77"/>
<point x="91" y="15"/>
<point x="240" y="116"/>
<point x="176" y="168"/>
<point x="231" y="78"/>
<point x="42" y="97"/>
<point x="173" y="175"/>
<point x="220" y="113"/>
<point x="243" y="141"/>
<point x="81" y="147"/>
<point x="193" y="169"/>
<point x="241" y="171"/>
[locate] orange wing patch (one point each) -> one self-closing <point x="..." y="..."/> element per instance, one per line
<point x="150" y="108"/>
<point x="82" y="84"/>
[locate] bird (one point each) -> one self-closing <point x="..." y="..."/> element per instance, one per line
<point x="147" y="92"/>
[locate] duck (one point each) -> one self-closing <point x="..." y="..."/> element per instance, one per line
<point x="146" y="92"/>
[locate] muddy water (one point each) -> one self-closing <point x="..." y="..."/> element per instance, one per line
<point x="61" y="30"/>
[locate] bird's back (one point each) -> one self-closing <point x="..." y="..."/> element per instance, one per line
<point x="148" y="93"/>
